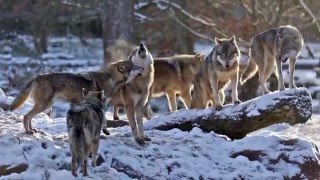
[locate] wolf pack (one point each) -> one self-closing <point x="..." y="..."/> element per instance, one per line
<point x="200" y="82"/>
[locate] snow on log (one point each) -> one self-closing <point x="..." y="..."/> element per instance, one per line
<point x="291" y="106"/>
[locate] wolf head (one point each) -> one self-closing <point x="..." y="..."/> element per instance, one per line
<point x="141" y="57"/>
<point x="227" y="52"/>
<point x="288" y="42"/>
<point x="124" y="70"/>
<point x="93" y="95"/>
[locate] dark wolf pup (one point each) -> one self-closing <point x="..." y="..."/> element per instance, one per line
<point x="84" y="123"/>
<point x="67" y="86"/>
<point x="274" y="46"/>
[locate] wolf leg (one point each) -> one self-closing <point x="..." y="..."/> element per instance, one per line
<point x="116" y="112"/>
<point x="84" y="160"/>
<point x="234" y="87"/>
<point x="292" y="63"/>
<point x="147" y="111"/>
<point x="74" y="166"/>
<point x="172" y="101"/>
<point x="130" y="111"/>
<point x="139" y="118"/>
<point x="37" y="108"/>
<point x="199" y="98"/>
<point x="84" y="167"/>
<point x="215" y="93"/>
<point x="280" y="77"/>
<point x="94" y="151"/>
<point x="186" y="96"/>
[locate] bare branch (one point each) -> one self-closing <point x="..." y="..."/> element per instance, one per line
<point x="188" y="28"/>
<point x="176" y="6"/>
<point x="309" y="12"/>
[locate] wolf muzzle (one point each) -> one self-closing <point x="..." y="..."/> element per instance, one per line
<point x="142" y="50"/>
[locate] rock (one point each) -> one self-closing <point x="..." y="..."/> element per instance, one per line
<point x="9" y="169"/>
<point x="127" y="169"/>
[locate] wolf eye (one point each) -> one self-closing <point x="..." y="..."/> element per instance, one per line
<point x="221" y="55"/>
<point x="122" y="68"/>
<point x="296" y="40"/>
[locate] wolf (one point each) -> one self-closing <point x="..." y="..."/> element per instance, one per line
<point x="134" y="95"/>
<point x="219" y="69"/>
<point x="84" y="124"/>
<point x="67" y="86"/>
<point x="273" y="46"/>
<point x="173" y="75"/>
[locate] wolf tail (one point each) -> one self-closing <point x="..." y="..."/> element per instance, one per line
<point x="22" y="97"/>
<point x="249" y="72"/>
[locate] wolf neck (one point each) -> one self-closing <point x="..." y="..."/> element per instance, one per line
<point x="93" y="102"/>
<point x="146" y="63"/>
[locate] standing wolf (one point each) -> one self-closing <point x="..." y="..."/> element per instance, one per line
<point x="173" y="75"/>
<point x="67" y="86"/>
<point x="274" y="46"/>
<point x="84" y="124"/>
<point x="134" y="95"/>
<point x="219" y="69"/>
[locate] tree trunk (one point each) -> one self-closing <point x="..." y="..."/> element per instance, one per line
<point x="184" y="43"/>
<point x="117" y="27"/>
<point x="291" y="106"/>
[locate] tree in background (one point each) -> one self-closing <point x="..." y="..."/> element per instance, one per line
<point x="117" y="27"/>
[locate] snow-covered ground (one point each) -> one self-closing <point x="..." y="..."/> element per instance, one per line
<point x="275" y="152"/>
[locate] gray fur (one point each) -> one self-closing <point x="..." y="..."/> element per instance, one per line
<point x="219" y="69"/>
<point x="84" y="124"/>
<point x="273" y="47"/>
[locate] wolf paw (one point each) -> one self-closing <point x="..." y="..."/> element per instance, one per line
<point x="237" y="102"/>
<point x="116" y="118"/>
<point x="106" y="132"/>
<point x="293" y="86"/>
<point x="146" y="138"/>
<point x="93" y="163"/>
<point x="74" y="174"/>
<point x="30" y="132"/>
<point x="218" y="107"/>
<point x="140" y="141"/>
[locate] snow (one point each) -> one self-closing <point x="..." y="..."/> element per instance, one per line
<point x="253" y="106"/>
<point x="302" y="77"/>
<point x="172" y="154"/>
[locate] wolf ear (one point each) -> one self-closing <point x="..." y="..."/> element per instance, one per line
<point x="233" y="39"/>
<point x="102" y="95"/>
<point x="279" y="33"/>
<point x="95" y="86"/>
<point x="217" y="41"/>
<point x="201" y="57"/>
<point x="297" y="39"/>
<point x="84" y="92"/>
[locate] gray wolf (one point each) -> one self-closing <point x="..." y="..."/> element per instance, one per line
<point x="44" y="89"/>
<point x="220" y="68"/>
<point x="84" y="124"/>
<point x="173" y="75"/>
<point x="134" y="95"/>
<point x="273" y="46"/>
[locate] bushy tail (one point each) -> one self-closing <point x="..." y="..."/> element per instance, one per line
<point x="249" y="72"/>
<point x="22" y="97"/>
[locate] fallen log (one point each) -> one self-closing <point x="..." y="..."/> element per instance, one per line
<point x="291" y="106"/>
